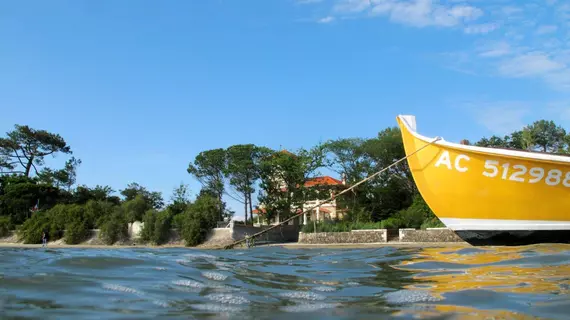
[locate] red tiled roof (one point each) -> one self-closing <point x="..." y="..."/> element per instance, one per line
<point x="256" y="211"/>
<point x="326" y="180"/>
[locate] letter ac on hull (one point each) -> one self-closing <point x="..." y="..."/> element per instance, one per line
<point x="491" y="196"/>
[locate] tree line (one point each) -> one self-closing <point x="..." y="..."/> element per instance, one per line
<point x="35" y="198"/>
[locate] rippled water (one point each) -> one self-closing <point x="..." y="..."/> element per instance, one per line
<point x="282" y="283"/>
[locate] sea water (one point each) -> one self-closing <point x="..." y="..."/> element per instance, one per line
<point x="286" y="283"/>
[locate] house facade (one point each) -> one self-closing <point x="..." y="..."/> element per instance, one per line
<point x="327" y="211"/>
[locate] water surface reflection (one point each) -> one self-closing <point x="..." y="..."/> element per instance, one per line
<point x="281" y="283"/>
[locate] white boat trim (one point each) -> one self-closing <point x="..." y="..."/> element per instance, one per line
<point x="458" y="224"/>
<point x="409" y="122"/>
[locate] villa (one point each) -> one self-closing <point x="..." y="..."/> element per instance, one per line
<point x="327" y="211"/>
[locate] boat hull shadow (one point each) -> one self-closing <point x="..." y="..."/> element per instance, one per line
<point x="513" y="237"/>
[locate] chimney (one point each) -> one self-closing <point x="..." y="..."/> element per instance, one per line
<point x="344" y="179"/>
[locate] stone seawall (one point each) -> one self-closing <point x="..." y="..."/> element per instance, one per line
<point x="284" y="233"/>
<point x="429" y="235"/>
<point x="354" y="236"/>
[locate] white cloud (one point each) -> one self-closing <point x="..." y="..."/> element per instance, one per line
<point x="496" y="49"/>
<point x="481" y="28"/>
<point x="421" y="13"/>
<point x="352" y="6"/>
<point x="500" y="118"/>
<point x="528" y="65"/>
<point x="326" y="19"/>
<point x="546" y="29"/>
<point x="511" y="10"/>
<point x="308" y="1"/>
<point x="513" y="39"/>
<point x="559" y="80"/>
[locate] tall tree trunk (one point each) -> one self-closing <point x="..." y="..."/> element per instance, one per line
<point x="245" y="210"/>
<point x="221" y="207"/>
<point x="29" y="166"/>
<point x="250" y="207"/>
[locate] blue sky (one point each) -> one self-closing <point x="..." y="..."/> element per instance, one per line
<point x="139" y="88"/>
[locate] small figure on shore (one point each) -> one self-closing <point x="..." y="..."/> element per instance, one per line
<point x="247" y="243"/>
<point x="44" y="239"/>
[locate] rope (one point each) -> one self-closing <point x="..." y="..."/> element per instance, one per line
<point x="230" y="246"/>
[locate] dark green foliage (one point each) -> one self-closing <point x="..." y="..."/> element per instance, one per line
<point x="96" y="211"/>
<point x="282" y="179"/>
<point x="31" y="230"/>
<point x="114" y="227"/>
<point x="541" y="135"/>
<point x="415" y="215"/>
<point x="209" y="168"/>
<point x="18" y="194"/>
<point x="156" y="228"/>
<point x="153" y="200"/>
<point x="391" y="223"/>
<point x="75" y="232"/>
<point x="433" y="222"/>
<point x="135" y="208"/>
<point x="83" y="194"/>
<point x="243" y="171"/>
<point x="180" y="200"/>
<point x="178" y="221"/>
<point x="5" y="226"/>
<point x="63" y="178"/>
<point x="162" y="227"/>
<point x="358" y="215"/>
<point x="54" y="222"/>
<point x="199" y="219"/>
<point x="24" y="149"/>
<point x="147" y="231"/>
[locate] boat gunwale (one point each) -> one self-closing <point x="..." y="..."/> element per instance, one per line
<point x="532" y="155"/>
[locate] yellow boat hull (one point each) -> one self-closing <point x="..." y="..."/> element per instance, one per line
<point x="488" y="194"/>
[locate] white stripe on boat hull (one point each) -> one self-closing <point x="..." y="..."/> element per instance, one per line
<point x="495" y="224"/>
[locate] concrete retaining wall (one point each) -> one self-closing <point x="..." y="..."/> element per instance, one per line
<point x="429" y="235"/>
<point x="354" y="236"/>
<point x="285" y="233"/>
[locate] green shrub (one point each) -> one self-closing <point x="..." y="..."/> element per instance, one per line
<point x="162" y="227"/>
<point x="75" y="232"/>
<point x="147" y="232"/>
<point x="409" y="218"/>
<point x="359" y="215"/>
<point x="391" y="223"/>
<point x="366" y="226"/>
<point x="433" y="222"/>
<point x="5" y="226"/>
<point x="32" y="229"/>
<point x="199" y="218"/>
<point x="195" y="230"/>
<point x="114" y="227"/>
<point x="178" y="221"/>
<point x="135" y="208"/>
<point x="412" y="217"/>
<point x="156" y="228"/>
<point x="97" y="211"/>
<point x="61" y="215"/>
